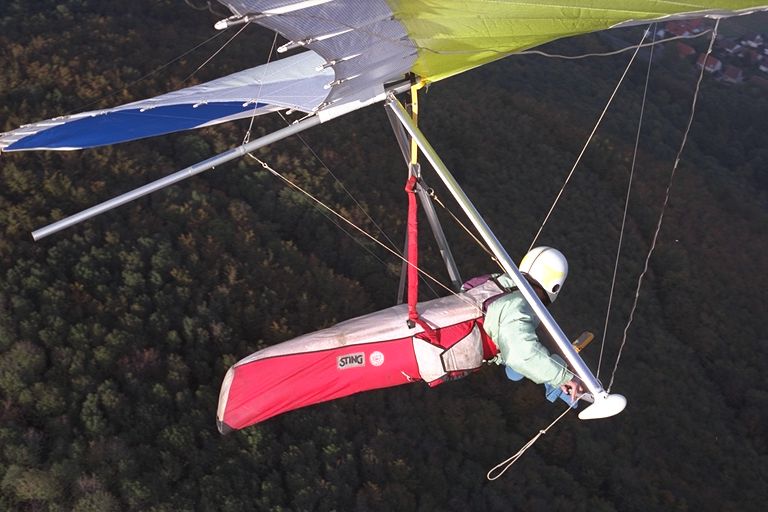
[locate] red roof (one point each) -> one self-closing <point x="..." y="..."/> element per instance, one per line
<point x="733" y="74"/>
<point x="754" y="56"/>
<point x="684" y="50"/>
<point x="680" y="28"/>
<point x="712" y="62"/>
<point x="756" y="80"/>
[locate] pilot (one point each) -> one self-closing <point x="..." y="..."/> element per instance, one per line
<point x="511" y="324"/>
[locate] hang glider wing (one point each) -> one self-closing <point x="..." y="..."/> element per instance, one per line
<point x="356" y="47"/>
<point x="375" y="41"/>
<point x="290" y="83"/>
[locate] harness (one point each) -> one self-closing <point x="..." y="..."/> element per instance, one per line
<point x="479" y="280"/>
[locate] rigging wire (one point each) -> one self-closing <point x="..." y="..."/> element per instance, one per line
<point x="193" y="6"/>
<point x="392" y="245"/>
<point x="664" y="205"/>
<point x="506" y="464"/>
<point x="144" y="77"/>
<point x="560" y="56"/>
<point x="271" y="54"/>
<point x="321" y="204"/>
<point x="589" y="140"/>
<point x="343" y="187"/>
<point x="458" y="221"/>
<point x="247" y="136"/>
<point x="209" y="59"/>
<point x="626" y="206"/>
<point x="207" y="7"/>
<point x="498" y="470"/>
<point x="615" y="52"/>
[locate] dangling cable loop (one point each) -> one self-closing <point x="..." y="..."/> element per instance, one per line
<point x="503" y="466"/>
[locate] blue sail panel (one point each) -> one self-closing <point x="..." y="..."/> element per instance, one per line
<point x="126" y="125"/>
<point x="299" y="82"/>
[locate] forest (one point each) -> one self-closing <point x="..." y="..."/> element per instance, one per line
<point x="115" y="334"/>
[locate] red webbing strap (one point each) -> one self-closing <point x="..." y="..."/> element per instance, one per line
<point x="413" y="259"/>
<point x="413" y="249"/>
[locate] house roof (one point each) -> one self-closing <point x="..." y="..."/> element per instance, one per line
<point x="684" y="50"/>
<point x="712" y="62"/>
<point x="733" y="73"/>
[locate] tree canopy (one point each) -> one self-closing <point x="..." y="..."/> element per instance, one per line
<point x="115" y="335"/>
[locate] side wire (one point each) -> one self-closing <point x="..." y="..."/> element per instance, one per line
<point x="626" y="207"/>
<point x="664" y="206"/>
<point x="589" y="140"/>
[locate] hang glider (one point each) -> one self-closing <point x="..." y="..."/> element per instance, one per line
<point x="356" y="48"/>
<point x="358" y="52"/>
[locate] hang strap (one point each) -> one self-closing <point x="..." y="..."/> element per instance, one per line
<point x="413" y="230"/>
<point x="413" y="260"/>
<point x="415" y="117"/>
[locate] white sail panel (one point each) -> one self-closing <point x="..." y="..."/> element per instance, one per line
<point x="291" y="83"/>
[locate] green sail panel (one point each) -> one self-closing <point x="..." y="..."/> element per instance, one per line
<point x="453" y="36"/>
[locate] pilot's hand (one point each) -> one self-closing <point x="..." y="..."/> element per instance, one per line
<point x="574" y="388"/>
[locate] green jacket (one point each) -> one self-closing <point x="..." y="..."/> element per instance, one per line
<point x="511" y="324"/>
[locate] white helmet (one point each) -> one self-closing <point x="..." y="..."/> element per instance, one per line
<point x="547" y="267"/>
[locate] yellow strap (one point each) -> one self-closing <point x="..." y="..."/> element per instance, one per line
<point x="415" y="116"/>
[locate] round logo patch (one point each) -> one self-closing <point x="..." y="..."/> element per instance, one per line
<point x="376" y="358"/>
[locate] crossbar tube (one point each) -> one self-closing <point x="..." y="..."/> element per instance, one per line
<point x="322" y="116"/>
<point x="176" y="177"/>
